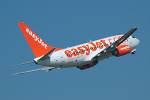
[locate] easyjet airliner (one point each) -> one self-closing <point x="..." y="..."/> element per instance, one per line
<point x="82" y="56"/>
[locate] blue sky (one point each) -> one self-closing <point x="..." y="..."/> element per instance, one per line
<point x="64" y="23"/>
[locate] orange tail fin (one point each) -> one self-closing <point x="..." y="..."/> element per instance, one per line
<point x="38" y="46"/>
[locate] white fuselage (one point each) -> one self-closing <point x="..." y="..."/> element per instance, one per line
<point x="79" y="55"/>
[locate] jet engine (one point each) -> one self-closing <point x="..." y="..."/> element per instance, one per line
<point x="121" y="50"/>
<point x="83" y="67"/>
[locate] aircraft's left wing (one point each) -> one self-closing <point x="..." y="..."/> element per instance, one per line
<point x="107" y="51"/>
<point x="45" y="68"/>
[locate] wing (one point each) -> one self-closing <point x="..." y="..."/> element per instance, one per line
<point x="45" y="68"/>
<point x="108" y="51"/>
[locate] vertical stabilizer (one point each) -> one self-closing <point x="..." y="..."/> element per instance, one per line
<point x="38" y="46"/>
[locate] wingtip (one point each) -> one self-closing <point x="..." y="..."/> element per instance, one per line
<point x="135" y="28"/>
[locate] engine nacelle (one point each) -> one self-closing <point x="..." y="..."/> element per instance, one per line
<point x="121" y="50"/>
<point x="83" y="67"/>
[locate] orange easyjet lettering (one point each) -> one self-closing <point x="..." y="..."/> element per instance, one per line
<point x="90" y="46"/>
<point x="103" y="41"/>
<point x="81" y="50"/>
<point x="87" y="49"/>
<point x="68" y="53"/>
<point x="99" y="44"/>
<point x="94" y="48"/>
<point x="75" y="52"/>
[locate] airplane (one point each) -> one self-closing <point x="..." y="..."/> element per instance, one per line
<point x="82" y="56"/>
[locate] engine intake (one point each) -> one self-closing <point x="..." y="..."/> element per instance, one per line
<point x="121" y="50"/>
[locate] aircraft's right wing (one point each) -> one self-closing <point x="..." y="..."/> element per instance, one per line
<point x="112" y="47"/>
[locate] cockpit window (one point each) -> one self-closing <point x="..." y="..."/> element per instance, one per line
<point x="133" y="37"/>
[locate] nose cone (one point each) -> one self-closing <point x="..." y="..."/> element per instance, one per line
<point x="137" y="42"/>
<point x="134" y="44"/>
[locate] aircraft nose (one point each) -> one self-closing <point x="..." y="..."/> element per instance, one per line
<point x="137" y="42"/>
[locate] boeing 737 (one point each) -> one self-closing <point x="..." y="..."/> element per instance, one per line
<point x="82" y="56"/>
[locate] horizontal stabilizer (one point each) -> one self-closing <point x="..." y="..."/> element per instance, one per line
<point x="45" y="68"/>
<point x="47" y="55"/>
<point x="21" y="64"/>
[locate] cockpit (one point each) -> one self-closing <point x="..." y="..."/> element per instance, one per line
<point x="132" y="36"/>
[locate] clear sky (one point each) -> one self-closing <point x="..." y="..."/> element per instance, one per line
<point x="65" y="23"/>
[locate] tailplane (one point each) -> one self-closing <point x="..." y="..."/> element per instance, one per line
<point x="38" y="46"/>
